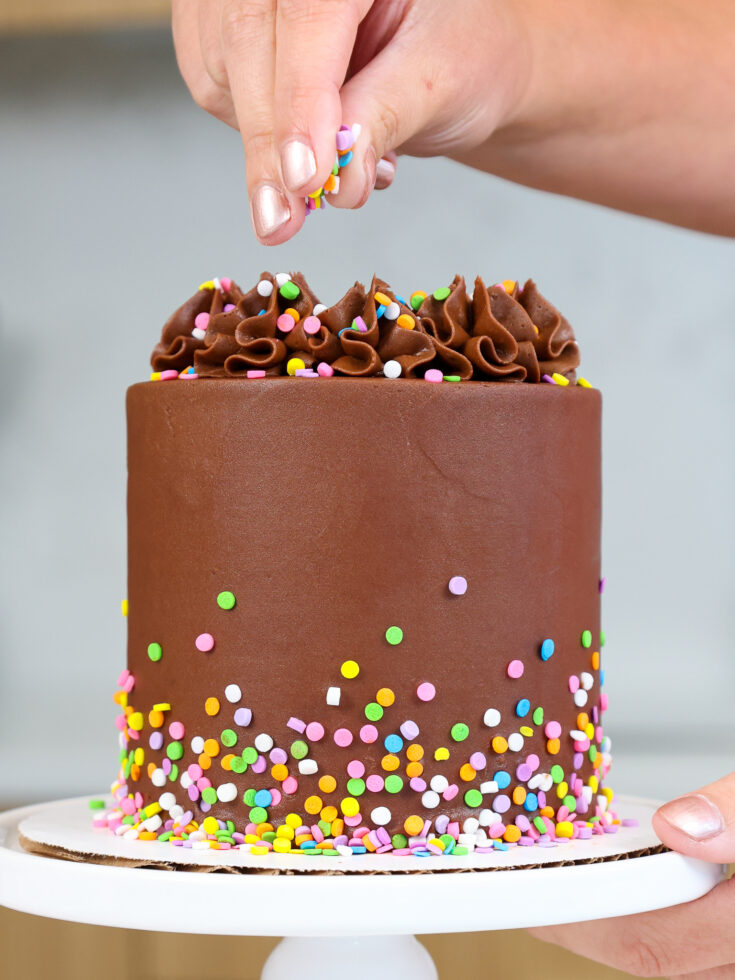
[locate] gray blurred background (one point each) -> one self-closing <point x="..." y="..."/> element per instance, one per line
<point x="119" y="196"/>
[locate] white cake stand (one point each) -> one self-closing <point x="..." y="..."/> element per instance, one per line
<point x="356" y="923"/>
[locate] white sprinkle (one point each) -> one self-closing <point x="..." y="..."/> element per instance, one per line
<point x="577" y="735"/>
<point x="356" y="130"/>
<point x="233" y="693"/>
<point x="197" y="835"/>
<point x="152" y="823"/>
<point x="380" y="815"/>
<point x="587" y="794"/>
<point x="344" y="850"/>
<point x="308" y="767"/>
<point x="492" y="717"/>
<point x="264" y="287"/>
<point x="470" y="825"/>
<point x="392" y="311"/>
<point x="167" y="801"/>
<point x="281" y="279"/>
<point x="227" y="792"/>
<point x="263" y="742"/>
<point x="122" y="829"/>
<point x="185" y="780"/>
<point x="333" y="695"/>
<point x="487" y="818"/>
<point x="199" y="333"/>
<point x="439" y="783"/>
<point x="515" y="742"/>
<point x="392" y="369"/>
<point x="197" y="745"/>
<point x="490" y="786"/>
<point x="319" y="308"/>
<point x="580" y="698"/>
<point x="158" y="777"/>
<point x="217" y="284"/>
<point x="335" y="187"/>
<point x="430" y="799"/>
<point x="587" y="680"/>
<point x="200" y="845"/>
<point x="131" y="834"/>
<point x="175" y="810"/>
<point x="602" y="802"/>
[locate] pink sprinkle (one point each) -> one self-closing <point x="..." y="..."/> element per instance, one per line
<point x="169" y="375"/>
<point x="478" y="760"/>
<point x="601" y="587"/>
<point x="457" y="585"/>
<point x="383" y="835"/>
<point x="573" y="683"/>
<point x="533" y="761"/>
<point x="176" y="730"/>
<point x="201" y="321"/>
<point x="316" y="832"/>
<point x="360" y="324"/>
<point x="515" y="669"/>
<point x="255" y="374"/>
<point x="193" y="792"/>
<point x="497" y="830"/>
<point x="194" y="771"/>
<point x="452" y="828"/>
<point x="433" y="375"/>
<point x="368" y="734"/>
<point x="289" y="785"/>
<point x="548" y="379"/>
<point x="417" y="784"/>
<point x="374" y="783"/>
<point x="343" y="737"/>
<point x="305" y="373"/>
<point x="353" y="821"/>
<point x="450" y="792"/>
<point x="314" y="731"/>
<point x="226" y="284"/>
<point x="629" y="822"/>
<point x="123" y="677"/>
<point x="311" y="325"/>
<point x="552" y="729"/>
<point x="324" y="370"/>
<point x="275" y="796"/>
<point x="285" y="322"/>
<point x="426" y="691"/>
<point x="355" y="769"/>
<point x="204" y="642"/>
<point x="409" y="729"/>
<point x="259" y="765"/>
<point x="297" y="724"/>
<point x="129" y="684"/>
<point x="604" y="701"/>
<point x="228" y="307"/>
<point x="127" y="806"/>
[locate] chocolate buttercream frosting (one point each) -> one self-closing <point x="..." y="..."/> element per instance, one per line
<point x="498" y="333"/>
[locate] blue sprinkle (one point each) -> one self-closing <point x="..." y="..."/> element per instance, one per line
<point x="547" y="649"/>
<point x="345" y="158"/>
<point x="380" y="310"/>
<point x="393" y="743"/>
<point x="500" y="846"/>
<point x="261" y="313"/>
<point x="307" y="844"/>
<point x="359" y="850"/>
<point x="343" y="330"/>
<point x="531" y="802"/>
<point x="502" y="778"/>
<point x="400" y="299"/>
<point x="421" y="853"/>
<point x="263" y="797"/>
<point x="602" y="677"/>
<point x="523" y="707"/>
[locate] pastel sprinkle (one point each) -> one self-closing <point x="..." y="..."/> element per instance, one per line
<point x="350" y="669"/>
<point x="155" y="652"/>
<point x="394" y="635"/>
<point x="204" y="642"/>
<point x="515" y="669"/>
<point x="426" y="691"/>
<point x="226" y="600"/>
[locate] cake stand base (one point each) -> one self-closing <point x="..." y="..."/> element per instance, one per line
<point x="350" y="922"/>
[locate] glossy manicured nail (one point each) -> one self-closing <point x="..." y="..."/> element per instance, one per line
<point x="298" y="164"/>
<point x="385" y="171"/>
<point x="694" y="815"/>
<point x="269" y="209"/>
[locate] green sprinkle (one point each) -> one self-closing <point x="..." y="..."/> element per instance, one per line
<point x="460" y="849"/>
<point x="394" y="635"/>
<point x="299" y="749"/>
<point x="226" y="838"/>
<point x="393" y="783"/>
<point x="313" y="851"/>
<point x="330" y="850"/>
<point x="326" y="828"/>
<point x="416" y="302"/>
<point x="155" y="651"/>
<point x="174" y="774"/>
<point x="96" y="804"/>
<point x="226" y="600"/>
<point x="230" y="824"/>
<point x="473" y="797"/>
<point x="570" y="802"/>
<point x="399" y="840"/>
<point x="129" y="819"/>
<point x="538" y="716"/>
<point x="355" y="787"/>
<point x="166" y="835"/>
<point x="270" y="836"/>
<point x="556" y="773"/>
<point x="448" y="841"/>
<point x="174" y="750"/>
<point x="238" y="764"/>
<point x="228" y="738"/>
<point x="459" y="732"/>
<point x="592" y="753"/>
<point x="289" y="290"/>
<point x="258" y="814"/>
<point x="373" y="711"/>
<point x="602" y="638"/>
<point x="539" y="825"/>
<point x="335" y="169"/>
<point x="248" y="797"/>
<point x="249" y="755"/>
<point x="442" y="293"/>
<point x="209" y="795"/>
<point x="586" y="639"/>
<point x="452" y="377"/>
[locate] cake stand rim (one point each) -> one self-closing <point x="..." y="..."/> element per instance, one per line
<point x="293" y="905"/>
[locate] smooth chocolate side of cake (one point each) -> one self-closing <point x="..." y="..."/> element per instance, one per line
<point x="333" y="511"/>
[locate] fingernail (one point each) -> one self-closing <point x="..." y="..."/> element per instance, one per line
<point x="269" y="209"/>
<point x="298" y="164"/>
<point x="694" y="815"/>
<point x="385" y="171"/>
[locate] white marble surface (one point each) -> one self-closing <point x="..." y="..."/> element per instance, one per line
<point x="119" y="196"/>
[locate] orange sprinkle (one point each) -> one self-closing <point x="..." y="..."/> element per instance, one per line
<point x="313" y="804"/>
<point x="582" y="720"/>
<point x="414" y="769"/>
<point x="413" y="825"/>
<point x="211" y="747"/>
<point x="406" y="321"/>
<point x="382" y="299"/>
<point x="211" y="706"/>
<point x="467" y="773"/>
<point x="546" y="811"/>
<point x="552" y="746"/>
<point x="147" y="835"/>
<point x="595" y="660"/>
<point x="385" y="697"/>
<point x="511" y="834"/>
<point x="329" y="184"/>
<point x="519" y="795"/>
<point x="226" y="761"/>
<point x="293" y="313"/>
<point x="279" y="772"/>
<point x="338" y="827"/>
<point x="135" y="772"/>
<point x="390" y="762"/>
<point x="415" y="752"/>
<point x="151" y="769"/>
<point x="499" y="744"/>
<point x="205" y="761"/>
<point x="329" y="813"/>
<point x="327" y="784"/>
<point x="155" y="719"/>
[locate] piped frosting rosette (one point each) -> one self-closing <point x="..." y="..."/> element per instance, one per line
<point x="499" y="333"/>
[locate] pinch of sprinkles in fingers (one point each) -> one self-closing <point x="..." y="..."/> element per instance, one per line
<point x="336" y="812"/>
<point x="345" y="140"/>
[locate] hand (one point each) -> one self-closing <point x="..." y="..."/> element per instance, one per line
<point x="421" y="76"/>
<point x="696" y="940"/>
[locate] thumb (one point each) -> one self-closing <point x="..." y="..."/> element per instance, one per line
<point x="701" y="824"/>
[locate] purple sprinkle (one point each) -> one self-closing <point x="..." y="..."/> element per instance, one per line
<point x="602" y="585"/>
<point x="187" y="843"/>
<point x="205" y="807"/>
<point x="243" y="716"/>
<point x="629" y="822"/>
<point x="610" y="828"/>
<point x="409" y="729"/>
<point x="522" y="822"/>
<point x="383" y="848"/>
<point x="585" y="833"/>
<point x="259" y="765"/>
<point x="577" y="760"/>
<point x="548" y="379"/>
<point x="297" y="724"/>
<point x="484" y="850"/>
<point x="278" y="756"/>
<point x="417" y="784"/>
<point x="166" y="765"/>
<point x="156" y="741"/>
<point x="185" y="818"/>
<point x="523" y="772"/>
<point x="441" y="823"/>
<point x="383" y="835"/>
<point x="240" y="838"/>
<point x="402" y="851"/>
<point x="546" y="843"/>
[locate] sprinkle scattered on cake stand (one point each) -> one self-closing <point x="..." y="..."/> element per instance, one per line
<point x="356" y="925"/>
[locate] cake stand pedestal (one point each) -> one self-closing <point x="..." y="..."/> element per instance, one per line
<point x="354" y="924"/>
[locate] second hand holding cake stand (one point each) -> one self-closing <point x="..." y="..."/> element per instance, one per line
<point x="354" y="924"/>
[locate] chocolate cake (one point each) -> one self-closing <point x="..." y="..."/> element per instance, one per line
<point x="364" y="576"/>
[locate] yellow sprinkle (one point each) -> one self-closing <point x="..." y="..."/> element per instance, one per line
<point x="210" y="825"/>
<point x="560" y="379"/>
<point x="135" y="721"/>
<point x="525" y="730"/>
<point x="281" y="845"/>
<point x="209" y="284"/>
<point x="124" y="606"/>
<point x="316" y="193"/>
<point x="152" y="809"/>
<point x="139" y="756"/>
<point x="155" y="376"/>
<point x="608" y="793"/>
<point x="163" y="706"/>
<point x="437" y="842"/>
<point x="562" y="789"/>
<point x="350" y="669"/>
<point x="349" y="806"/>
<point x="441" y="754"/>
<point x="293" y="820"/>
<point x="250" y="839"/>
<point x="293" y="365"/>
<point x="583" y="382"/>
<point x="593" y="782"/>
<point x="406" y="321"/>
<point x="383" y="299"/>
<point x="259" y="849"/>
<point x="564" y="829"/>
<point x="285" y="831"/>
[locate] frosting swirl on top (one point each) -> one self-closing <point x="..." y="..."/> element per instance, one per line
<point x="499" y="333"/>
